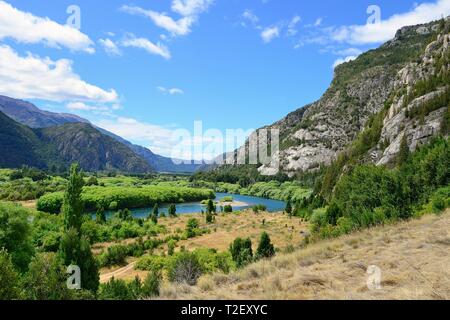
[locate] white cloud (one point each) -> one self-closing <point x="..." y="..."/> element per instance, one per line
<point x="147" y="45"/>
<point x="27" y="28"/>
<point x="250" y="16"/>
<point x="343" y="60"/>
<point x="348" y="52"/>
<point x="385" y="30"/>
<point x="190" y="7"/>
<point x="110" y="47"/>
<point x="318" y="22"/>
<point x="292" y="26"/>
<point x="270" y="33"/>
<point x="32" y="77"/>
<point x="179" y="27"/>
<point x="171" y="91"/>
<point x="81" y="106"/>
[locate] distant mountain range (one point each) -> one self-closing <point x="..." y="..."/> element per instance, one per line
<point x="31" y="136"/>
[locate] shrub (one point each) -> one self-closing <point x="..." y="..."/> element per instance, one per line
<point x="228" y="209"/>
<point x="241" y="252"/>
<point x="184" y="267"/>
<point x="265" y="247"/>
<point x="151" y="284"/>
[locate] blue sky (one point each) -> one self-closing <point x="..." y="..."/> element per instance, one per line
<point x="143" y="69"/>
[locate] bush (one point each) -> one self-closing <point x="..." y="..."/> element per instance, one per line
<point x="228" y="209"/>
<point x="114" y="255"/>
<point x="241" y="252"/>
<point x="184" y="267"/>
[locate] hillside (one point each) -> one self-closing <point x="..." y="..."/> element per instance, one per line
<point x="19" y="145"/>
<point x="28" y="114"/>
<point x="376" y="91"/>
<point x="94" y="151"/>
<point x="412" y="257"/>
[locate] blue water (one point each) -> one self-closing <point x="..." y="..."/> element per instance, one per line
<point x="197" y="207"/>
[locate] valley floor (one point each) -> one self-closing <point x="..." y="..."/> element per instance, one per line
<point x="414" y="258"/>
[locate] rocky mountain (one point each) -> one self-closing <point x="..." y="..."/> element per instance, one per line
<point x="397" y="90"/>
<point x="19" y="145"/>
<point x="28" y="114"/>
<point x="62" y="145"/>
<point x="33" y="117"/>
<point x="94" y="151"/>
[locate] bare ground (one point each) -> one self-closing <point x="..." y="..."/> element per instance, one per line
<point x="414" y="259"/>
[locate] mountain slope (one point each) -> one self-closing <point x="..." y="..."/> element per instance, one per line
<point x="94" y="151"/>
<point x="31" y="116"/>
<point x="19" y="145"/>
<point x="377" y="80"/>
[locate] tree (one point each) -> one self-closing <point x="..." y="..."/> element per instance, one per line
<point x="209" y="217"/>
<point x="265" y="247"/>
<point x="241" y="251"/>
<point x="173" y="210"/>
<point x="100" y="215"/>
<point x="92" y="181"/>
<point x="192" y="227"/>
<point x="155" y="211"/>
<point x="288" y="209"/>
<point x="72" y="207"/>
<point x="15" y="234"/>
<point x="46" y="279"/>
<point x="114" y="290"/>
<point x="151" y="284"/>
<point x="404" y="152"/>
<point x="9" y="279"/>
<point x="210" y="207"/>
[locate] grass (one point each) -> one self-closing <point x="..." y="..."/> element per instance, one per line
<point x="412" y="256"/>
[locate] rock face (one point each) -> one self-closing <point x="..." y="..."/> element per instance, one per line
<point x="315" y="134"/>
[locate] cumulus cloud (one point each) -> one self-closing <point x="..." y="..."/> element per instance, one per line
<point x="188" y="9"/>
<point x="270" y="33"/>
<point x="110" y="47"/>
<point x="147" y="45"/>
<point x="385" y="29"/>
<point x="24" y="27"/>
<point x="171" y="91"/>
<point x="33" y="77"/>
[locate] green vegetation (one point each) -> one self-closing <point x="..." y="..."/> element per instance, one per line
<point x="265" y="247"/>
<point x="95" y="197"/>
<point x="241" y="252"/>
<point x="134" y="290"/>
<point x="369" y="195"/>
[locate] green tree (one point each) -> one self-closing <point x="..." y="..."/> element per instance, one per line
<point x="265" y="247"/>
<point x="9" y="279"/>
<point x="100" y="216"/>
<point x="404" y="152"/>
<point x="155" y="211"/>
<point x="76" y="250"/>
<point x="184" y="267"/>
<point x="210" y="207"/>
<point x="151" y="284"/>
<point x="192" y="227"/>
<point x="241" y="252"/>
<point x="173" y="210"/>
<point x="72" y="207"/>
<point x="114" y="290"/>
<point x="288" y="209"/>
<point x="46" y="279"/>
<point x="15" y="234"/>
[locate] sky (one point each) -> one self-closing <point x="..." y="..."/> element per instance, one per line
<point x="149" y="70"/>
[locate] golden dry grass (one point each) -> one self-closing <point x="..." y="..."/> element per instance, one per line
<point x="414" y="258"/>
<point x="227" y="227"/>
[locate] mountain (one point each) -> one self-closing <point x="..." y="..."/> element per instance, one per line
<point x="94" y="151"/>
<point x="62" y="145"/>
<point x="28" y="114"/>
<point x="33" y="117"/>
<point x="19" y="145"/>
<point x="398" y="91"/>
<point x="160" y="163"/>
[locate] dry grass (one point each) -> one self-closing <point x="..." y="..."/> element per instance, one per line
<point x="413" y="257"/>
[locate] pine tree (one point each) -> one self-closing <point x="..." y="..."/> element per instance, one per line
<point x="173" y="210"/>
<point x="9" y="278"/>
<point x="404" y="152"/>
<point x="288" y="209"/>
<point x="72" y="207"/>
<point x="210" y="207"/>
<point x="265" y="247"/>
